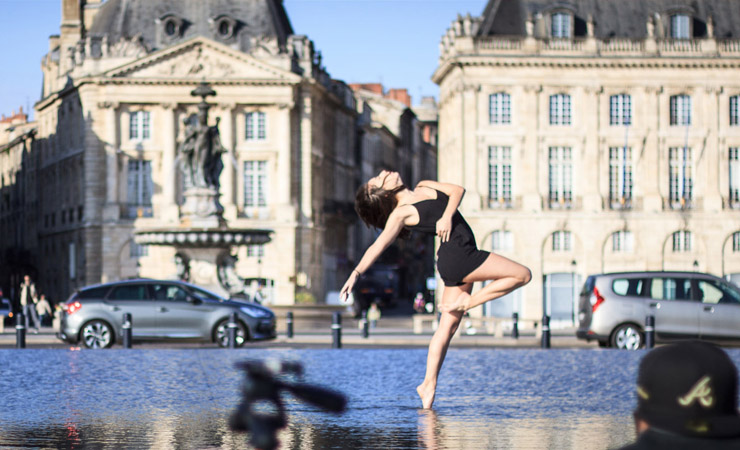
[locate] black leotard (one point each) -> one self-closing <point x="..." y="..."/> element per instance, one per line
<point x="457" y="257"/>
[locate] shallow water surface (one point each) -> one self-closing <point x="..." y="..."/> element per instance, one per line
<point x="486" y="399"/>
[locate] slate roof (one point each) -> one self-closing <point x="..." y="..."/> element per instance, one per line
<point x="126" y="19"/>
<point x="613" y="18"/>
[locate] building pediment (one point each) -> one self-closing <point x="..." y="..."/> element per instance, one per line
<point x="200" y="58"/>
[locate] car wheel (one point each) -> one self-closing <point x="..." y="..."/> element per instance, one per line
<point x="627" y="337"/>
<point x="221" y="334"/>
<point x="96" y="334"/>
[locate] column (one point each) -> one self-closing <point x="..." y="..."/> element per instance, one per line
<point x="169" y="212"/>
<point x="285" y="210"/>
<point x="111" y="210"/>
<point x="228" y="174"/>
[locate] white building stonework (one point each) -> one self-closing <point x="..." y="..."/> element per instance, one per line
<point x="593" y="137"/>
<point x="117" y="83"/>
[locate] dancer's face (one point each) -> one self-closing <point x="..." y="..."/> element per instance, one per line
<point x="386" y="180"/>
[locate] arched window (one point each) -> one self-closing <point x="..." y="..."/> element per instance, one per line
<point x="623" y="242"/>
<point x="561" y="25"/>
<point x="736" y="242"/>
<point x="562" y="241"/>
<point x="680" y="26"/>
<point x="682" y="241"/>
<point x="502" y="240"/>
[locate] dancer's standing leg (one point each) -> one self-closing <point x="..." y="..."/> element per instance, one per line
<point x="448" y="323"/>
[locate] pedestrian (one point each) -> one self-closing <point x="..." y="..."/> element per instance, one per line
<point x="373" y="315"/>
<point x="687" y="399"/>
<point x="43" y="308"/>
<point x="28" y="302"/>
<point x="384" y="202"/>
<point x="419" y="303"/>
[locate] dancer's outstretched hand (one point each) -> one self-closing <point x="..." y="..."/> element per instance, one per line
<point x="348" y="285"/>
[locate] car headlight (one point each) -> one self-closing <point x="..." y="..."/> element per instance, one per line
<point x="255" y="312"/>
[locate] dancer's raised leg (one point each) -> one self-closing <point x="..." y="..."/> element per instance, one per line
<point x="448" y="323"/>
<point x="506" y="274"/>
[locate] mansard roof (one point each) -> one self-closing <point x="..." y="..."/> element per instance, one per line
<point x="612" y="18"/>
<point x="248" y="19"/>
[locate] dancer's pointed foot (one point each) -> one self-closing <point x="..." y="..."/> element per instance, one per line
<point x="426" y="393"/>
<point x="461" y="304"/>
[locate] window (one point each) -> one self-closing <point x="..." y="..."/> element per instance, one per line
<point x="734" y="111"/>
<point x="682" y="241"/>
<point x="670" y="289"/>
<point x="502" y="241"/>
<point x="256" y="126"/>
<point x="72" y="261"/>
<point x="256" y="251"/>
<point x="139" y="126"/>
<point x="734" y="177"/>
<point x="139" y="189"/>
<point x="620" y="177"/>
<point x="680" y="26"/>
<point x="169" y="292"/>
<point x="137" y="251"/>
<point x="499" y="108"/>
<point x="255" y="186"/>
<point x="620" y="109"/>
<point x="561" y="25"/>
<point x="561" y="177"/>
<point x="499" y="176"/>
<point x="561" y="241"/>
<point x="633" y="287"/>
<point x="713" y="292"/>
<point x="680" y="110"/>
<point x="130" y="292"/>
<point x="681" y="179"/>
<point x="623" y="242"/>
<point x="560" y="109"/>
<point x="736" y="242"/>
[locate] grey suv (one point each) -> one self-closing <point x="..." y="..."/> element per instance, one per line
<point x="613" y="308"/>
<point x="159" y="310"/>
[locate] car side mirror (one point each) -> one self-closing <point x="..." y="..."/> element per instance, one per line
<point x="194" y="300"/>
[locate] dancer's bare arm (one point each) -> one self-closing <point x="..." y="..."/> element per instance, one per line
<point x="394" y="225"/>
<point x="455" y="193"/>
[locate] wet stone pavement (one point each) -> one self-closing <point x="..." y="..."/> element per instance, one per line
<point x="181" y="398"/>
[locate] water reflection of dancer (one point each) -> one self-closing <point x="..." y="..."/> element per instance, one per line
<point x="385" y="202"/>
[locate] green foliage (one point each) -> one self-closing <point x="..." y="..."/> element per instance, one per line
<point x="305" y="298"/>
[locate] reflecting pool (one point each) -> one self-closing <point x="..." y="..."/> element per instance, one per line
<point x="486" y="399"/>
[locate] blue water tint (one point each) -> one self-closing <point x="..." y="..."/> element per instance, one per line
<point x="486" y="399"/>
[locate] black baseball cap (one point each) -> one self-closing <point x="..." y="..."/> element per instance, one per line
<point x="689" y="388"/>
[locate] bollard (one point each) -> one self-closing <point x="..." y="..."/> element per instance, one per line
<point x="336" y="331"/>
<point x="126" y="330"/>
<point x="289" y="324"/>
<point x="20" y="331"/>
<point x="232" y="327"/>
<point x="365" y="325"/>
<point x="515" y="326"/>
<point x="546" y="331"/>
<point x="649" y="332"/>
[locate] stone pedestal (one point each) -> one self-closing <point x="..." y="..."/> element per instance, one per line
<point x="201" y="208"/>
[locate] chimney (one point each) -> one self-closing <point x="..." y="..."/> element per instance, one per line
<point x="401" y="95"/>
<point x="71" y="13"/>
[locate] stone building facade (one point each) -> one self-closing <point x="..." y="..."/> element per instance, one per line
<point x="594" y="137"/>
<point x="116" y="98"/>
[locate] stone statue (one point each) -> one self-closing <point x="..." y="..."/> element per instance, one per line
<point x="200" y="152"/>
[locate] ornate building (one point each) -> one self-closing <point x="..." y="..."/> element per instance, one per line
<point x="115" y="105"/>
<point x="595" y="136"/>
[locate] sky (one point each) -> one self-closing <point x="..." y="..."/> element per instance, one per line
<point x="394" y="42"/>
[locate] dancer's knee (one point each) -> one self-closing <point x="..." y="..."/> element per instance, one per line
<point x="524" y="277"/>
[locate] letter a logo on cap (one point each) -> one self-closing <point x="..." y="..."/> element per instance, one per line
<point x="701" y="392"/>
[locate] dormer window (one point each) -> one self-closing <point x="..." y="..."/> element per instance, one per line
<point x="680" y="26"/>
<point x="223" y="27"/>
<point x="171" y="27"/>
<point x="561" y="25"/>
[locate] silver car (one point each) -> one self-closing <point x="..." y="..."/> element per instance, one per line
<point x="686" y="305"/>
<point x="159" y="310"/>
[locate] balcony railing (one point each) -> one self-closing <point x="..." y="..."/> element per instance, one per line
<point x="134" y="211"/>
